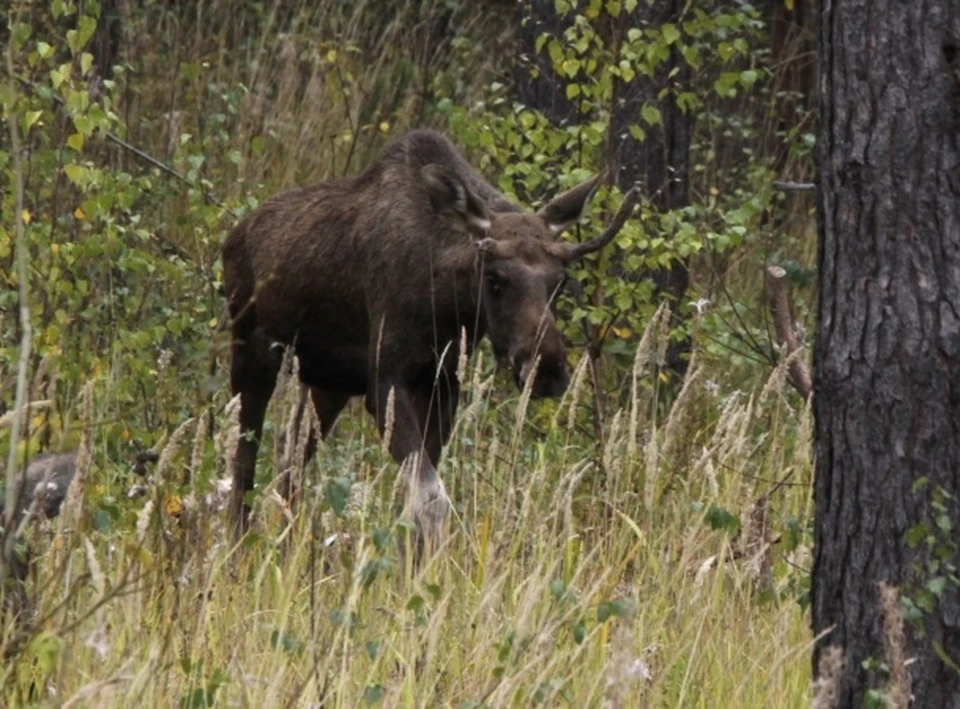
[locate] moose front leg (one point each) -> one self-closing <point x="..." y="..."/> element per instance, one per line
<point x="427" y="500"/>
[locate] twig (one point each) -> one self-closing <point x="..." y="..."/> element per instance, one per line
<point x="784" y="186"/>
<point x="146" y="157"/>
<point x="26" y="336"/>
<point x="797" y="372"/>
<point x="30" y="406"/>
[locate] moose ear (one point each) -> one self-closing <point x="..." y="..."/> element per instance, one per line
<point x="450" y="195"/>
<point x="565" y="210"/>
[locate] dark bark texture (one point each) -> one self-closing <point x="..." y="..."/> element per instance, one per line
<point x="661" y="161"/>
<point x="537" y="84"/>
<point x="887" y="361"/>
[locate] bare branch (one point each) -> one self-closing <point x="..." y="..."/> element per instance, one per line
<point x="794" y="186"/>
<point x="26" y="332"/>
<point x="798" y="373"/>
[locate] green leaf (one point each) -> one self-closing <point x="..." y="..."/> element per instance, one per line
<point x="338" y="494"/>
<point x="604" y="611"/>
<point x="719" y="518"/>
<point x="86" y="61"/>
<point x="670" y="33"/>
<point x="373" y="694"/>
<point x="60" y="74"/>
<point x="573" y="90"/>
<point x="85" y="31"/>
<point x="30" y="118"/>
<point x="651" y="114"/>
<point x="749" y="77"/>
<point x="937" y="586"/>
<point x="75" y="141"/>
<point x="46" y="648"/>
<point x="570" y="67"/>
<point x="44" y="50"/>
<point x="285" y="641"/>
<point x="77" y="174"/>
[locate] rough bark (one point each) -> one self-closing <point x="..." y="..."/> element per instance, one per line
<point x="887" y="360"/>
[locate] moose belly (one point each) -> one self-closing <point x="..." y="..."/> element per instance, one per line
<point x="338" y="367"/>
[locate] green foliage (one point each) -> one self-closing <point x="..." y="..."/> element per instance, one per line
<point x="935" y="568"/>
<point x="616" y="290"/>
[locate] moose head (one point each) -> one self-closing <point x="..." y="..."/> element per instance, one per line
<point x="522" y="270"/>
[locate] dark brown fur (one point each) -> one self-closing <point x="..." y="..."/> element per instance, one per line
<point x="372" y="278"/>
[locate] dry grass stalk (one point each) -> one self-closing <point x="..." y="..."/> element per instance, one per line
<point x="389" y="419"/>
<point x="651" y="456"/>
<point x="614" y="441"/>
<point x="640" y="362"/>
<point x="756" y="543"/>
<point x="576" y="390"/>
<point x="73" y="502"/>
<point x="826" y="691"/>
<point x="170" y="450"/>
<point x="225" y="443"/>
<point x="663" y="334"/>
<point x="196" y="455"/>
<point x="574" y="478"/>
<point x="28" y="409"/>
<point x="294" y="394"/>
<point x="673" y="432"/>
<point x="894" y="642"/>
<point x="525" y="396"/>
<point x="625" y="670"/>
<point x="462" y="357"/>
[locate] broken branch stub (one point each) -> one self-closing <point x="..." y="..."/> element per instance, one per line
<point x="798" y="374"/>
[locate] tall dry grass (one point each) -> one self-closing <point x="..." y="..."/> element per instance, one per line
<point x="558" y="585"/>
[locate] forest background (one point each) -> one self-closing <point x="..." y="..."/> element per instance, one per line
<point x="643" y="541"/>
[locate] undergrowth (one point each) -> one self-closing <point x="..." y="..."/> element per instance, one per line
<point x="657" y="555"/>
<point x="659" y="569"/>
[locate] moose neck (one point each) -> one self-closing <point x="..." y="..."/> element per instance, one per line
<point x="458" y="283"/>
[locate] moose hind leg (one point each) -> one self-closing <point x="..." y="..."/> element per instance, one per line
<point x="254" y="379"/>
<point x="327" y="404"/>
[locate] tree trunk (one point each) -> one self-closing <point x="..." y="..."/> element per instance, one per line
<point x="661" y="161"/>
<point x="887" y="361"/>
<point x="537" y="84"/>
<point x="793" y="65"/>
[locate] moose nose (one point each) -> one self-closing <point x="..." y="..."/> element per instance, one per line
<point x="550" y="375"/>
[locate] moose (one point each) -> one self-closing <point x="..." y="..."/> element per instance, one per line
<point x="373" y="279"/>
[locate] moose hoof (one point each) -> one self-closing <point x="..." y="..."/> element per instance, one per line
<point x="430" y="510"/>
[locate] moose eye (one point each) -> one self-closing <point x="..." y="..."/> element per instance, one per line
<point x="495" y="283"/>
